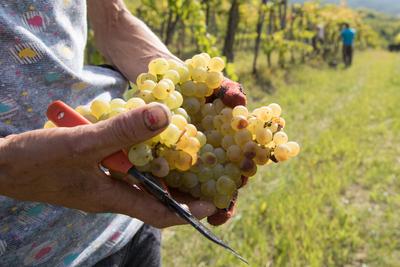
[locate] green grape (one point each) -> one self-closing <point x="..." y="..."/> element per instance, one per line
<point x="202" y="138"/>
<point x="129" y="93"/>
<point x="171" y="101"/>
<point x="199" y="74"/>
<point x="199" y="61"/>
<point x="217" y="122"/>
<point x="210" y="91"/>
<point x="226" y="113"/>
<point x="160" y="91"/>
<point x="239" y="122"/>
<point x="234" y="153"/>
<point x="144" y="77"/>
<point x="158" y="66"/>
<point x="170" y="136"/>
<point x="191" y="130"/>
<point x="83" y="110"/>
<point x="201" y="89"/>
<point x="221" y="201"/>
<point x="182" y="111"/>
<point x="208" y="109"/>
<point x="209" y="188"/>
<point x="227" y="141"/>
<point x="183" y="73"/>
<point x="188" y="62"/>
<point x="214" y="138"/>
<point x="140" y="154"/>
<point x="159" y="167"/>
<point x="171" y="87"/>
<point x="232" y="171"/>
<point x="209" y="159"/>
<point x="254" y="124"/>
<point x="183" y="161"/>
<point x="216" y="64"/>
<point x="280" y="138"/>
<point x="225" y="185"/>
<point x="226" y="129"/>
<point x="273" y="127"/>
<point x="218" y="171"/>
<point x="188" y="88"/>
<point x="262" y="156"/>
<point x="146" y="95"/>
<point x="263" y="136"/>
<point x="205" y="174"/>
<point x="173" y="64"/>
<point x="207" y="148"/>
<point x="99" y="107"/>
<point x="189" y="179"/>
<point x="276" y="109"/>
<point x="191" y="104"/>
<point x="206" y="56"/>
<point x="220" y="154"/>
<point x="281" y="121"/>
<point x="147" y="85"/>
<point x="243" y="136"/>
<point x="179" y="121"/>
<point x="214" y="79"/>
<point x="282" y="152"/>
<point x="247" y="167"/>
<point x="263" y="113"/>
<point x="178" y="99"/>
<point x="250" y="149"/>
<point x="172" y="75"/>
<point x="218" y="105"/>
<point x="207" y="123"/>
<point x="173" y="179"/>
<point x="134" y="102"/>
<point x="240" y="111"/>
<point x="294" y="148"/>
<point x="193" y="145"/>
<point x="117" y="103"/>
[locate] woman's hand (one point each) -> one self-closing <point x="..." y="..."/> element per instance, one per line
<point x="60" y="166"/>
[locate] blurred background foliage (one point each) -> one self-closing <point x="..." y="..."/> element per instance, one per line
<point x="286" y="33"/>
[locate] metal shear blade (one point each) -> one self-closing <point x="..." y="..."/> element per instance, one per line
<point x="153" y="186"/>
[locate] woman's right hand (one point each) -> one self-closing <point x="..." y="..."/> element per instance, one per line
<point x="60" y="166"/>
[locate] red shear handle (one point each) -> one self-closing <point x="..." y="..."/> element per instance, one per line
<point x="63" y="115"/>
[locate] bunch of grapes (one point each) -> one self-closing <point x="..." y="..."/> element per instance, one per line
<point x="210" y="147"/>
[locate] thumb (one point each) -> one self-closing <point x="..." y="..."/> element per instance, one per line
<point x="127" y="129"/>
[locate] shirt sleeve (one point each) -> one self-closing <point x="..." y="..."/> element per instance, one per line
<point x="6" y="129"/>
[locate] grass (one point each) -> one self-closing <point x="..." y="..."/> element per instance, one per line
<point x="337" y="204"/>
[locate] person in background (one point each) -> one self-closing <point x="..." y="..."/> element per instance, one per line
<point x="348" y="35"/>
<point x="57" y="208"/>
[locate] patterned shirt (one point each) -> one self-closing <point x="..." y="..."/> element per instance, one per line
<point x="41" y="60"/>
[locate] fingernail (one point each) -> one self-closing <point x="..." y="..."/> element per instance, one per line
<point x="155" y="117"/>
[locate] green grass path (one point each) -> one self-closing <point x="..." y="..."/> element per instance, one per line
<point x="338" y="203"/>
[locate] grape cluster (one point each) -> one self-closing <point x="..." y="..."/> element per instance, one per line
<point x="209" y="147"/>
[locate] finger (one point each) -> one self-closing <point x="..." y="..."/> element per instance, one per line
<point x="126" y="199"/>
<point x="124" y="130"/>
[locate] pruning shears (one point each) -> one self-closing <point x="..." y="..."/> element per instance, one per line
<point x="64" y="116"/>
